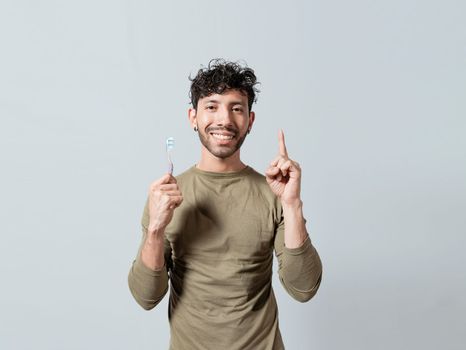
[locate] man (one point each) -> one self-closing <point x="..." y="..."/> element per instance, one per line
<point x="211" y="231"/>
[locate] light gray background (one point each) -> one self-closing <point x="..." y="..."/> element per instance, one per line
<point x="371" y="95"/>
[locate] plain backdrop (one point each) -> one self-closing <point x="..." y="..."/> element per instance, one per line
<point x="371" y="96"/>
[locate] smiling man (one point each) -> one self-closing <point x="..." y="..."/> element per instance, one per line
<point x="210" y="233"/>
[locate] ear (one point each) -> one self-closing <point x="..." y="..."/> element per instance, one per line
<point x="252" y="117"/>
<point x="192" y="117"/>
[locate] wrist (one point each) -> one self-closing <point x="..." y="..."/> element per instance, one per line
<point x="296" y="204"/>
<point x="155" y="234"/>
<point x="155" y="227"/>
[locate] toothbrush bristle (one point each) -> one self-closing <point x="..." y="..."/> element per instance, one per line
<point x="170" y="143"/>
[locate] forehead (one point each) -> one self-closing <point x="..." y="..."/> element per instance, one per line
<point x="228" y="96"/>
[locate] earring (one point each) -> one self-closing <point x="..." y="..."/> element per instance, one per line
<point x="195" y="129"/>
<point x="249" y="130"/>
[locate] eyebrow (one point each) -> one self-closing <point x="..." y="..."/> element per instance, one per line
<point x="239" y="102"/>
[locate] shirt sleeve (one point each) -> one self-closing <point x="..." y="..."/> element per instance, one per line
<point x="299" y="269"/>
<point x="148" y="286"/>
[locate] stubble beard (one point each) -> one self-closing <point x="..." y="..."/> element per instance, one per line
<point x="221" y="152"/>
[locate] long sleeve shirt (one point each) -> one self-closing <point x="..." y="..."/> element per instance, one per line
<point x="218" y="263"/>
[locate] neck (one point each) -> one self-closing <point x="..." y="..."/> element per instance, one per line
<point x="209" y="162"/>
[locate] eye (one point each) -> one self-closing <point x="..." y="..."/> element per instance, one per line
<point x="238" y="109"/>
<point x="210" y="107"/>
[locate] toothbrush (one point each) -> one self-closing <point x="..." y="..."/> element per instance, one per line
<point x="170" y="143"/>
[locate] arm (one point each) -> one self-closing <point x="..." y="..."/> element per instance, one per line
<point x="148" y="285"/>
<point x="300" y="268"/>
<point x="148" y="277"/>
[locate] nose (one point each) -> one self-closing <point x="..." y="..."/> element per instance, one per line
<point x="223" y="117"/>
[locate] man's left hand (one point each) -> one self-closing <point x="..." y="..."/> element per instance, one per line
<point x="284" y="175"/>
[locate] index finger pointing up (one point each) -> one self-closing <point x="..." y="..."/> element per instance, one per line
<point x="281" y="144"/>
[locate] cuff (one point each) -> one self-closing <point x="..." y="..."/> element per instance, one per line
<point x="142" y="269"/>
<point x="299" y="250"/>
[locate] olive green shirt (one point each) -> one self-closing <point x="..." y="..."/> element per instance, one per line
<point x="218" y="260"/>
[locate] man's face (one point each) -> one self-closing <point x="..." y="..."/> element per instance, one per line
<point x="223" y="121"/>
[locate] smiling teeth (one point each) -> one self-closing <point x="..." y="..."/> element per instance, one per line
<point x="222" y="137"/>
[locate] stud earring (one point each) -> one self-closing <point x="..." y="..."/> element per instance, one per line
<point x="195" y="129"/>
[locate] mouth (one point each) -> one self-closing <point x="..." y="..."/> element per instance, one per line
<point x="222" y="136"/>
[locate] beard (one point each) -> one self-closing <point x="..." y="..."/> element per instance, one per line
<point x="221" y="151"/>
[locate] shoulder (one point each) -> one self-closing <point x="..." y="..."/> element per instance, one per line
<point x="258" y="180"/>
<point x="256" y="177"/>
<point x="185" y="175"/>
<point x="264" y="195"/>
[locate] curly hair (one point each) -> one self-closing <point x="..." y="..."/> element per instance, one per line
<point x="221" y="75"/>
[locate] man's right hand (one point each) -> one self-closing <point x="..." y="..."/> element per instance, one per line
<point x="164" y="198"/>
